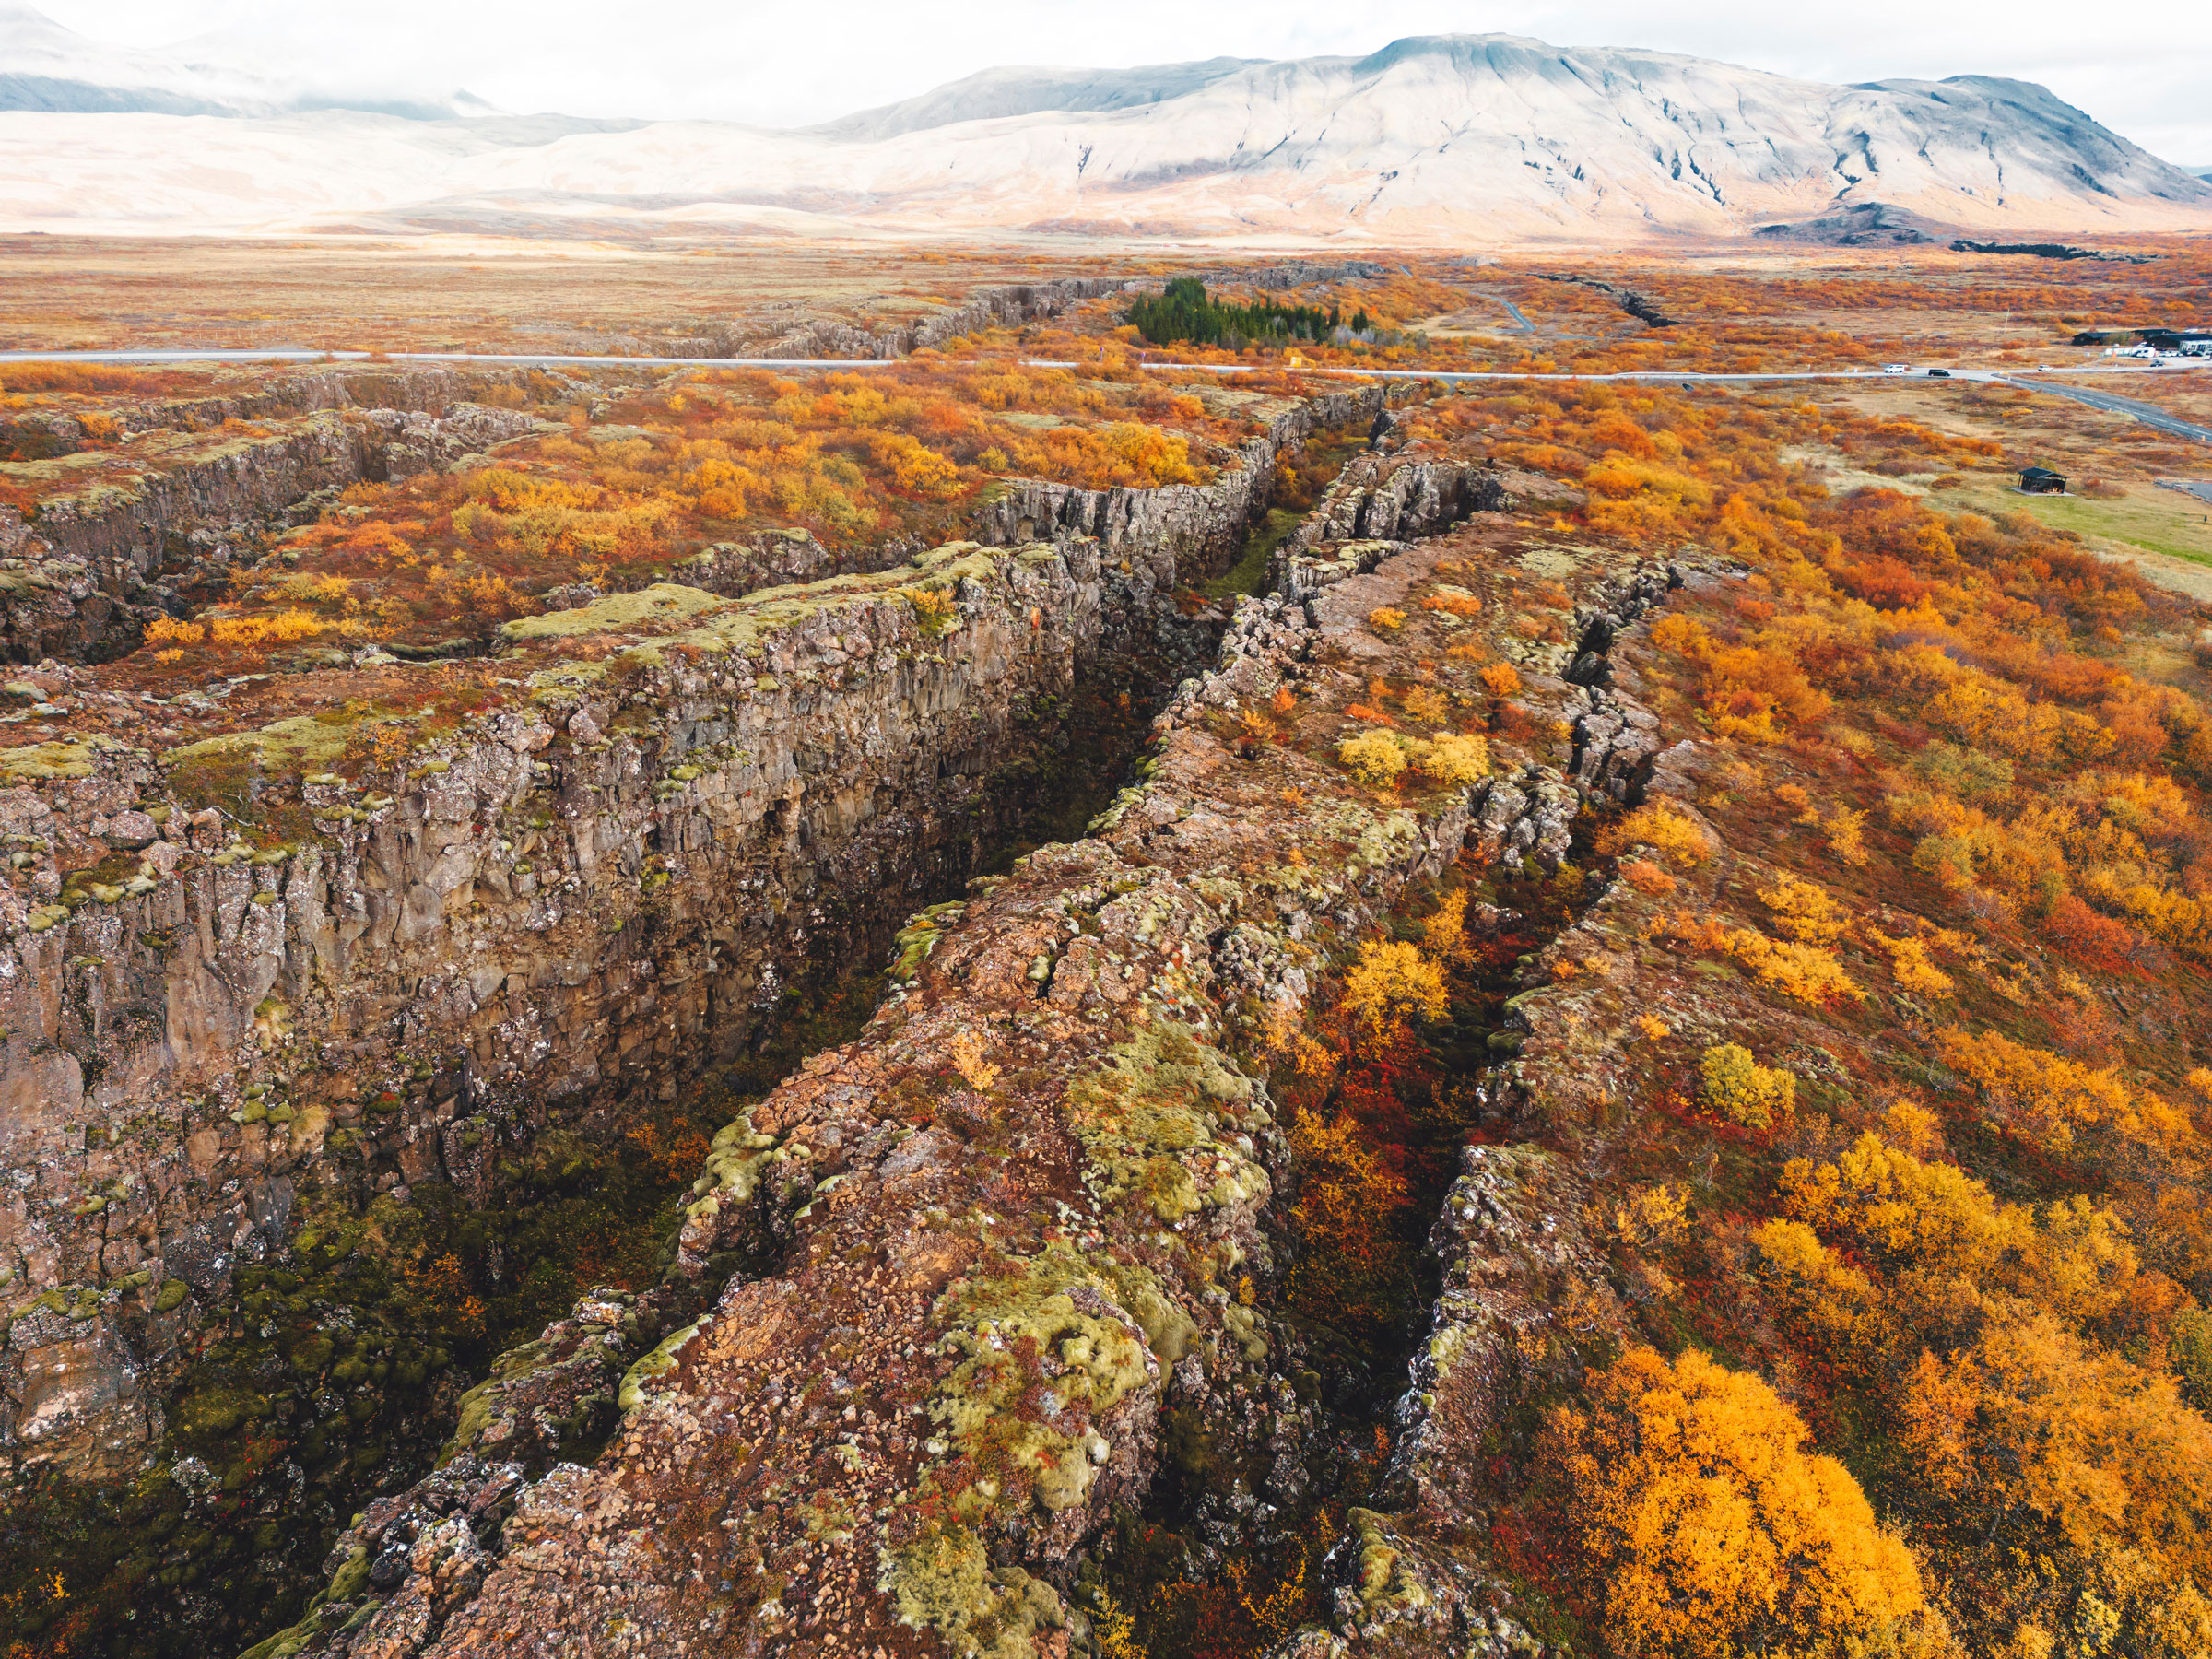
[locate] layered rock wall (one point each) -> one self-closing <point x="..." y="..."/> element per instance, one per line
<point x="595" y="895"/>
<point x="84" y="575"/>
<point x="1003" y="1227"/>
<point x="1184" y="527"/>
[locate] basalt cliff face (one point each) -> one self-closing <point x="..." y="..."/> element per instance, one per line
<point x="196" y="486"/>
<point x="994" y="1246"/>
<point x="593" y="895"/>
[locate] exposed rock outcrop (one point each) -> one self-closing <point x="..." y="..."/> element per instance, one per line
<point x="999" y="1230"/>
<point x="1006" y="307"/>
<point x="1184" y="527"/>
<point x="180" y="504"/>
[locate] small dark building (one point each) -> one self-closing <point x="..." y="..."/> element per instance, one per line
<point x="2042" y="480"/>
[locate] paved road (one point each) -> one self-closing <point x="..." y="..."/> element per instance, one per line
<point x="2150" y="415"/>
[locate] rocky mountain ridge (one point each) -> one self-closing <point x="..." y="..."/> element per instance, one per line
<point x="1433" y="138"/>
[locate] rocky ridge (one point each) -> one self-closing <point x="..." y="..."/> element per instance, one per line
<point x="1180" y="525"/>
<point x="597" y="890"/>
<point x="1005" y="307"/>
<point x="1523" y="1282"/>
<point x="180" y="506"/>
<point x="999" y="1231"/>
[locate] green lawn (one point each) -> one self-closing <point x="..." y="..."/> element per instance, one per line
<point x="2160" y="521"/>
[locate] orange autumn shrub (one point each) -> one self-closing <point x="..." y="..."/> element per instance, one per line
<point x="1699" y="1525"/>
<point x="1392" y="983"/>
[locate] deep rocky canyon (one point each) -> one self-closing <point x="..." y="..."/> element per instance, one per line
<point x="941" y="1302"/>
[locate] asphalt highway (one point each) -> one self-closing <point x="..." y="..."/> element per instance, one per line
<point x="2150" y="415"/>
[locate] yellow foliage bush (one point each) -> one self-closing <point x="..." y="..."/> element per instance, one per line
<point x="1806" y="973"/>
<point x="1701" y="1528"/>
<point x="1652" y="1216"/>
<point x="934" y="609"/>
<point x="968" y="1060"/>
<point x="1912" y="1210"/>
<point x="1456" y="605"/>
<point x="1450" y="758"/>
<point x="915" y="469"/>
<point x="1385" y="619"/>
<point x="1426" y="704"/>
<point x="1373" y="758"/>
<point x="1660" y="826"/>
<point x="277" y="628"/>
<point x="1444" y="934"/>
<point x="1675" y="632"/>
<point x="2049" y="1098"/>
<point x="1846" y="833"/>
<point x="1909" y="961"/>
<point x="1744" y="1091"/>
<point x="2101" y="1449"/>
<point x="1838" y="1304"/>
<point x="168" y="631"/>
<point x="1803" y="911"/>
<point x="1392" y="982"/>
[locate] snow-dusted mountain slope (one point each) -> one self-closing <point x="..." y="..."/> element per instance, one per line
<point x="48" y="69"/>
<point x="1028" y="91"/>
<point x="1442" y="139"/>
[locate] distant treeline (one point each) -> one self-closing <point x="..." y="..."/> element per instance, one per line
<point x="1184" y="313"/>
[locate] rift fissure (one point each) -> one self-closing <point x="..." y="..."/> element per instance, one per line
<point x="437" y="1250"/>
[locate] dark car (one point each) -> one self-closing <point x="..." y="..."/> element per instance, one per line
<point x="1940" y="374"/>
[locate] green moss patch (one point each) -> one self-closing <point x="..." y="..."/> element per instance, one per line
<point x="1160" y="1096"/>
<point x="662" y="603"/>
<point x="304" y="743"/>
<point x="61" y="758"/>
<point x="943" y="1582"/>
<point x="658" y="1363"/>
<point x="1048" y="1344"/>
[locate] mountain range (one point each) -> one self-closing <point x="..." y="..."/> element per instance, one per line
<point x="1448" y="138"/>
<point x="50" y="69"/>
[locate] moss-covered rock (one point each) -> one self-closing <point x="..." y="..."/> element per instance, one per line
<point x="1050" y="1346"/>
<point x="943" y="1582"/>
<point x="658" y="1363"/>
<point x="1148" y="1121"/>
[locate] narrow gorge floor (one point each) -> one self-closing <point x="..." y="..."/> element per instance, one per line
<point x="1224" y="1559"/>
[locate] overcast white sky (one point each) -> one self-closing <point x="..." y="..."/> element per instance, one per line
<point x="2142" y="67"/>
